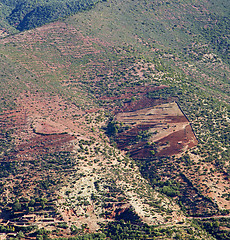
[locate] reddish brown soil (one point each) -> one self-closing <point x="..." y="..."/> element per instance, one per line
<point x="46" y="127"/>
<point x="44" y="144"/>
<point x="40" y="124"/>
<point x="117" y="209"/>
<point x="25" y="147"/>
<point x="170" y="129"/>
<point x="8" y="119"/>
<point x="143" y="102"/>
<point x="172" y="134"/>
<point x="194" y="202"/>
<point x="178" y="142"/>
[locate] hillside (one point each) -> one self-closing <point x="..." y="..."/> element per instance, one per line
<point x="23" y="15"/>
<point x="117" y="119"/>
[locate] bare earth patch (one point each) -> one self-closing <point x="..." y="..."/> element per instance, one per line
<point x="47" y="127"/>
<point x="166" y="125"/>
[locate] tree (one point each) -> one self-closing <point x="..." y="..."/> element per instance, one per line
<point x="16" y="206"/>
<point x="20" y="235"/>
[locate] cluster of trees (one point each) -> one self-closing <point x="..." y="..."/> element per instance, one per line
<point x="165" y="93"/>
<point x="213" y="226"/>
<point x="6" y="143"/>
<point x="217" y="35"/>
<point x="26" y="205"/>
<point x="126" y="230"/>
<point x="29" y="14"/>
<point x="7" y="168"/>
<point x="91" y="236"/>
<point x="112" y="128"/>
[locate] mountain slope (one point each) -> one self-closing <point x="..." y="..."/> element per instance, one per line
<point x="64" y="86"/>
<point x="20" y="16"/>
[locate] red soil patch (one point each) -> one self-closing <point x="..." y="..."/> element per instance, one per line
<point x="44" y="143"/>
<point x="41" y="126"/>
<point x="9" y="118"/>
<point x="150" y="128"/>
<point x="178" y="141"/>
<point x="144" y="102"/>
<point x="24" y="147"/>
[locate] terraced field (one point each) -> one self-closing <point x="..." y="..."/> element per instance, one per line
<point x="168" y="129"/>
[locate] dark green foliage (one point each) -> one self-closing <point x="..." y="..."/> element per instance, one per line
<point x="170" y="191"/>
<point x="74" y="229"/>
<point x="213" y="226"/>
<point x="112" y="128"/>
<point x="42" y="234"/>
<point x="52" y="11"/>
<point x="6" y="229"/>
<point x="62" y="225"/>
<point x="16" y="206"/>
<point x="91" y="236"/>
<point x="1" y="187"/>
<point x="218" y="36"/>
<point x="96" y="184"/>
<point x="129" y="215"/>
<point x="165" y="93"/>
<point x="157" y="169"/>
<point x="7" y="168"/>
<point x="125" y="230"/>
<point x="29" y="14"/>
<point x="62" y="159"/>
<point x="6" y="143"/>
<point x="143" y="135"/>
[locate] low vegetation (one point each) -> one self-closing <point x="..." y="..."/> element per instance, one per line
<point x="70" y="175"/>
